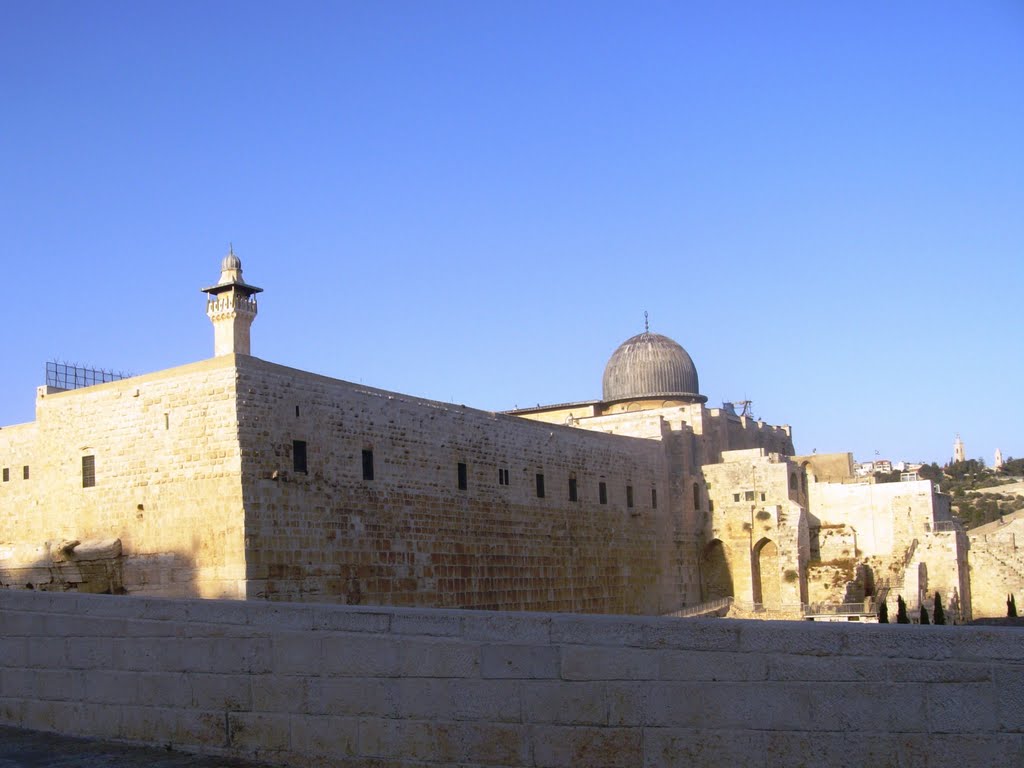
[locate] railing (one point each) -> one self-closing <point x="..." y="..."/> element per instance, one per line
<point x="838" y="609"/>
<point x="946" y="526"/>
<point x="702" y="609"/>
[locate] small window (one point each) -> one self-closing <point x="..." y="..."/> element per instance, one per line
<point x="24" y="472"/>
<point x="629" y="495"/>
<point x="572" y="489"/>
<point x="7" y="474"/>
<point x="167" y="421"/>
<point x="540" y="485"/>
<point x="654" y="498"/>
<point x="88" y="471"/>
<point x="696" y="496"/>
<point x="296" y="411"/>
<point x="367" y="464"/>
<point x="735" y="497"/>
<point x="299" y="456"/>
<point x="502" y="476"/>
<point x="602" y="492"/>
<point x="762" y="497"/>
<point x="792" y="482"/>
<point x="748" y="495"/>
<point x="711" y="505"/>
<point x="463" y="479"/>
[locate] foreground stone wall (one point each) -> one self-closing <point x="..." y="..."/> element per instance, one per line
<point x="310" y="685"/>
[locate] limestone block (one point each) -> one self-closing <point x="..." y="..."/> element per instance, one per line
<point x="457" y="699"/>
<point x="280" y="693"/>
<point x="827" y="669"/>
<point x="357" y="696"/>
<point x="519" y="661"/>
<point x="295" y="653"/>
<point x="585" y="662"/>
<point x="319" y="736"/>
<point x="519" y="628"/>
<point x="258" y="733"/>
<point x="110" y="686"/>
<point x="352" y="621"/>
<point x="564" y="703"/>
<point x="692" y="634"/>
<point x="966" y="707"/>
<point x="835" y="749"/>
<point x="711" y="666"/>
<point x="572" y="746"/>
<point x="230" y="692"/>
<point x="709" y="748"/>
<point x="165" y="689"/>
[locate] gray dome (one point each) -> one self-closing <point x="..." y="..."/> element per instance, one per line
<point x="650" y="365"/>
<point x="230" y="261"/>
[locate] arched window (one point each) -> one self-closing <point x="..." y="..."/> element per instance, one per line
<point x="696" y="496"/>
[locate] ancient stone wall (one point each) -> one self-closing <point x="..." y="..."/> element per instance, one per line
<point x="758" y="523"/>
<point x="303" y="685"/>
<point x="454" y="513"/>
<point x="166" y="470"/>
<point x="996" y="558"/>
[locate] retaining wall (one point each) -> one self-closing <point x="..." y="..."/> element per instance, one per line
<point x="307" y="685"/>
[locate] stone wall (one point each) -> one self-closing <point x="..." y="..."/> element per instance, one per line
<point x="309" y="685"/>
<point x="167" y="482"/>
<point x="410" y="535"/>
<point x="996" y="557"/>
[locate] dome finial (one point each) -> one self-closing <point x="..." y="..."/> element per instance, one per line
<point x="647" y="325"/>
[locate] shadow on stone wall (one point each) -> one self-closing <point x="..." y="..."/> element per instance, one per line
<point x="94" y="566"/>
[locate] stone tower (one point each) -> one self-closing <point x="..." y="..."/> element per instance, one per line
<point x="231" y="308"/>
<point x="998" y="463"/>
<point x="958" y="450"/>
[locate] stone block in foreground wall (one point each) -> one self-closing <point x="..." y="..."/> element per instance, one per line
<point x="305" y="685"/>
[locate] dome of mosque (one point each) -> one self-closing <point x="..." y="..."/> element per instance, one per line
<point x="650" y="365"/>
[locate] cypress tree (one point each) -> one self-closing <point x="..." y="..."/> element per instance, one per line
<point x="1011" y="606"/>
<point x="924" y="615"/>
<point x="940" y="615"/>
<point x="883" y="613"/>
<point x="901" y="611"/>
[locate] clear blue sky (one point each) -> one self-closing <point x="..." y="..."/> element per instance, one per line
<point x="476" y="202"/>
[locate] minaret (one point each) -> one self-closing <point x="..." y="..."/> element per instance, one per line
<point x="958" y="450"/>
<point x="231" y="308"/>
<point x="998" y="463"/>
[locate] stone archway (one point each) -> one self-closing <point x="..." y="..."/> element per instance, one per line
<point x="716" y="579"/>
<point x="766" y="578"/>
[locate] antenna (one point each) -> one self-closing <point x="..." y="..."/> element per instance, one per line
<point x="647" y="325"/>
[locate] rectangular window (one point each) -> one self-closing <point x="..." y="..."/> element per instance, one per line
<point x="602" y="492"/>
<point x="367" y="464"/>
<point x="735" y="497"/>
<point x="299" y="456"/>
<point x="572" y="489"/>
<point x="24" y="472"/>
<point x="463" y="480"/>
<point x="762" y="497"/>
<point x="540" y="486"/>
<point x="711" y="506"/>
<point x="88" y="471"/>
<point x="7" y="474"/>
<point x="748" y="495"/>
<point x="654" y="498"/>
<point x="502" y="476"/>
<point x="629" y="495"/>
